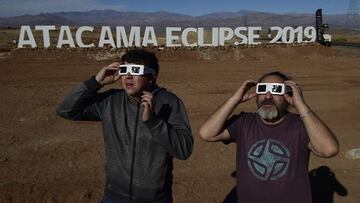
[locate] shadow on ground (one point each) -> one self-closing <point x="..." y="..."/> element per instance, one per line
<point x="324" y="185"/>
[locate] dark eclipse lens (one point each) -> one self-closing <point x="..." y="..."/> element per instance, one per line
<point x="135" y="69"/>
<point x="123" y="69"/>
<point x="277" y="88"/>
<point x="261" y="88"/>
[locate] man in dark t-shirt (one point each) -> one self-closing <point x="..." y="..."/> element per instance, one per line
<point x="273" y="145"/>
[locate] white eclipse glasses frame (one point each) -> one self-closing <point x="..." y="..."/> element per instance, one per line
<point x="135" y="69"/>
<point x="273" y="88"/>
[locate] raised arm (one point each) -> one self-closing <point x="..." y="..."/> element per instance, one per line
<point x="323" y="142"/>
<point x="80" y="104"/>
<point x="83" y="103"/>
<point x="213" y="129"/>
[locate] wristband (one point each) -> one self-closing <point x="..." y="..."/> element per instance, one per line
<point x="302" y="116"/>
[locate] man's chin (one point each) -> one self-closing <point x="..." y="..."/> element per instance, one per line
<point x="268" y="112"/>
<point x="133" y="93"/>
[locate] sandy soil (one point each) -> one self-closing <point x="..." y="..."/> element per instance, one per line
<point x="44" y="158"/>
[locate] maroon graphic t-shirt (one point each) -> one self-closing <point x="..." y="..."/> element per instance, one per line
<point x="271" y="160"/>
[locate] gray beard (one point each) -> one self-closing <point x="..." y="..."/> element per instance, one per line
<point x="267" y="115"/>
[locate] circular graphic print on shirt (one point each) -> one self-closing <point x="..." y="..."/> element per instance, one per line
<point x="268" y="159"/>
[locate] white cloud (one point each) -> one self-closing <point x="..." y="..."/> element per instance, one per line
<point x="21" y="7"/>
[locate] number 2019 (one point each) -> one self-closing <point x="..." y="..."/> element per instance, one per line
<point x="290" y="35"/>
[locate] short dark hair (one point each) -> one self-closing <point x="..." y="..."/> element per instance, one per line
<point x="143" y="57"/>
<point x="276" y="73"/>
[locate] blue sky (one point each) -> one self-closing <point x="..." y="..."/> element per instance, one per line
<point x="190" y="7"/>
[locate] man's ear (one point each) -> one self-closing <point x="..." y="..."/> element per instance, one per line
<point x="153" y="79"/>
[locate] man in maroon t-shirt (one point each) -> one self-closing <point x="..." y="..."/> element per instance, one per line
<point x="273" y="145"/>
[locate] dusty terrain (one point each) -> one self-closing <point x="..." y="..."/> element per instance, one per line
<point x="44" y="158"/>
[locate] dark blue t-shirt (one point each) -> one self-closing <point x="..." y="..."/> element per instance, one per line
<point x="271" y="160"/>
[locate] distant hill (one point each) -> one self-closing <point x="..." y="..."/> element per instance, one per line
<point x="41" y="19"/>
<point x="165" y="19"/>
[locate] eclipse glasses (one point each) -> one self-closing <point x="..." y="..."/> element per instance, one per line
<point x="134" y="69"/>
<point x="273" y="88"/>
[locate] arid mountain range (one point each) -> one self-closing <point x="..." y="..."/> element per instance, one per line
<point x="165" y="19"/>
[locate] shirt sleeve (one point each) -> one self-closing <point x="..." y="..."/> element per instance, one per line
<point x="83" y="103"/>
<point x="233" y="126"/>
<point x="304" y="135"/>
